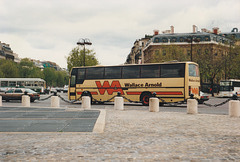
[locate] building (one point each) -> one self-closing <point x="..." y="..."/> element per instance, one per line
<point x="182" y="46"/>
<point x="136" y="55"/>
<point x="7" y="53"/>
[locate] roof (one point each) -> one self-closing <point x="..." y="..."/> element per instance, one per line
<point x="186" y="37"/>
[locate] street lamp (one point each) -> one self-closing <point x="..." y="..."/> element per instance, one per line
<point x="84" y="42"/>
<point x="190" y="40"/>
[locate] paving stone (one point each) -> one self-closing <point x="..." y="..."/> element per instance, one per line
<point x="133" y="135"/>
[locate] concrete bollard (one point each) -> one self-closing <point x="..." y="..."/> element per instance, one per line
<point x="86" y="102"/>
<point x="234" y="108"/>
<point x="25" y="101"/>
<point x="118" y="103"/>
<point x="0" y="100"/>
<point x="153" y="104"/>
<point x="192" y="106"/>
<point x="55" y="102"/>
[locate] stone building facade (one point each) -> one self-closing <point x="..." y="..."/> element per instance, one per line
<point x="136" y="55"/>
<point x="7" y="53"/>
<point x="186" y="46"/>
<point x="182" y="46"/>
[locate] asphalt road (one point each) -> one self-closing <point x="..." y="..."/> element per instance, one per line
<point x="31" y="119"/>
<point x="202" y="109"/>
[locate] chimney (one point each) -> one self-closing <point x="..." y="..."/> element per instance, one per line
<point x="172" y="29"/>
<point x="215" y="30"/>
<point x="194" y="28"/>
<point x="155" y="32"/>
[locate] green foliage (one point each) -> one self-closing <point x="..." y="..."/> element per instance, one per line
<point x="76" y="58"/>
<point x="169" y="53"/>
<point x="8" y="69"/>
<point x="234" y="63"/>
<point x="27" y="69"/>
<point x="50" y="76"/>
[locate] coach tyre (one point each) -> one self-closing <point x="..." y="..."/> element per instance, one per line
<point x="145" y="98"/>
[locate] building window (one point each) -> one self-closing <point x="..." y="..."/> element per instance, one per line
<point x="174" y="39"/>
<point x="207" y="38"/>
<point x="198" y="39"/>
<point x="157" y="52"/>
<point x="174" y="52"/>
<point x="181" y="39"/>
<point x="156" y="40"/>
<point x="165" y="40"/>
<point x="221" y="52"/>
<point x="206" y="51"/>
<point x="164" y="52"/>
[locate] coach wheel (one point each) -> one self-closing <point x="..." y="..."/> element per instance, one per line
<point x="145" y="98"/>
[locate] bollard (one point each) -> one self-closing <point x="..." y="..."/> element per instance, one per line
<point x="25" y="101"/>
<point x="0" y="100"/>
<point x="153" y="104"/>
<point x="118" y="103"/>
<point x="86" y="102"/>
<point x="55" y="102"/>
<point x="234" y="108"/>
<point x="192" y="106"/>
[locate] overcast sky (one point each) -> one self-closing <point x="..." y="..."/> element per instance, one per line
<point x="49" y="29"/>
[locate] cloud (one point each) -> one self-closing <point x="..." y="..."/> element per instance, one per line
<point x="50" y="29"/>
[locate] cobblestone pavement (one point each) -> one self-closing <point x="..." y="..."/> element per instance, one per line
<point x="133" y="135"/>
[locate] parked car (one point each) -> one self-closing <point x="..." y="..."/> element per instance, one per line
<point x="59" y="89"/>
<point x="203" y="97"/>
<point x="16" y="94"/>
<point x="53" y="90"/>
<point x="65" y="89"/>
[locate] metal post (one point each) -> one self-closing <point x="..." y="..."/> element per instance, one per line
<point x="84" y="42"/>
<point x="84" y="53"/>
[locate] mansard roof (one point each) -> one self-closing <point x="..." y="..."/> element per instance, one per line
<point x="188" y="37"/>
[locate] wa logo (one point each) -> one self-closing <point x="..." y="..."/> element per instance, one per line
<point x="115" y="87"/>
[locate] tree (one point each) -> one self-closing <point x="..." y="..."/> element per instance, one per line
<point x="232" y="64"/>
<point x="61" y="78"/>
<point x="76" y="58"/>
<point x="169" y="53"/>
<point x="27" y="69"/>
<point x="8" y="69"/>
<point x="50" y="76"/>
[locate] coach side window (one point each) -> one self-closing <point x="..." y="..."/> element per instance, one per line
<point x="150" y="71"/>
<point x="131" y="72"/>
<point x="112" y="73"/>
<point x="94" y="73"/>
<point x="172" y="70"/>
<point x="73" y="78"/>
<point x="80" y="76"/>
